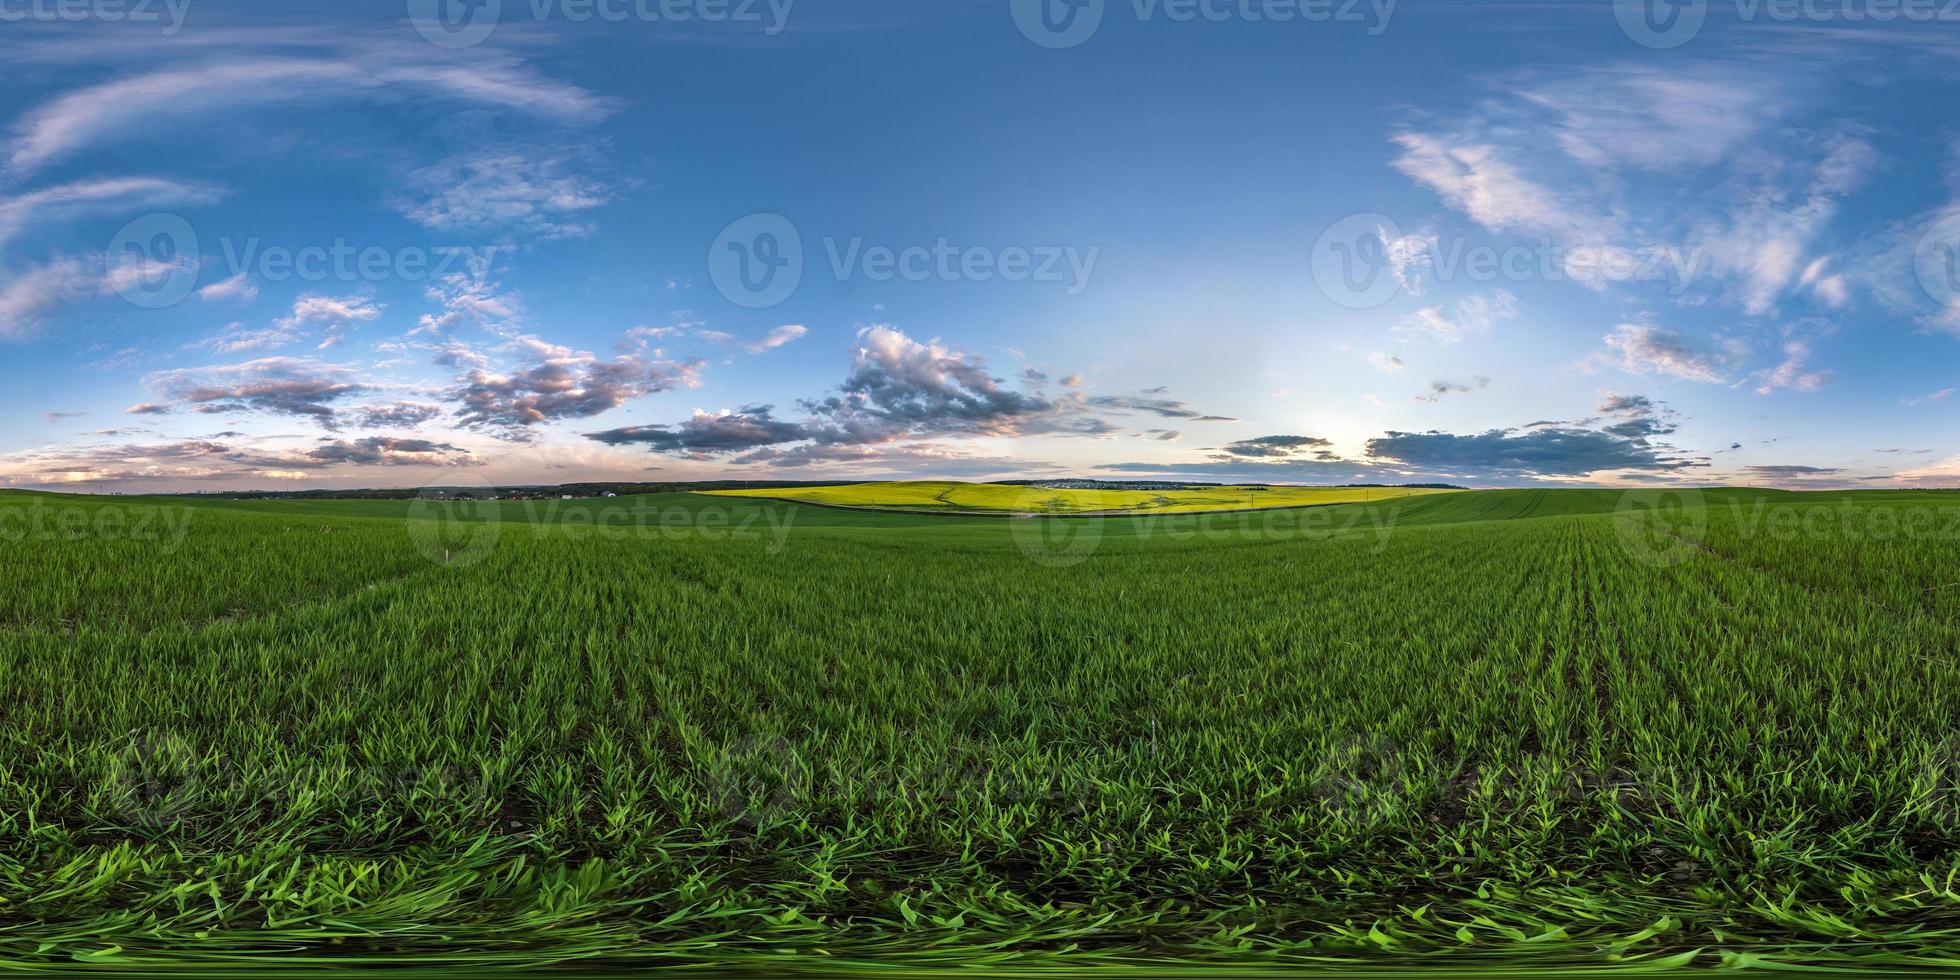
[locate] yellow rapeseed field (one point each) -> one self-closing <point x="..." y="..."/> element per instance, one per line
<point x="1005" y="498"/>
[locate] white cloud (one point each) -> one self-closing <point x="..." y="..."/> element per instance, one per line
<point x="1597" y="157"/>
<point x="1473" y="314"/>
<point x="1790" y="373"/>
<point x="776" y="338"/>
<point x="238" y="288"/>
<point x="1763" y="238"/>
<point x="337" y="313"/>
<point x="1680" y="117"/>
<point x="1479" y="181"/>
<point x="1642" y="348"/>
<point x="28" y="295"/>
<point x="1408" y="257"/>
<point x="235" y="339"/>
<point x="535" y="191"/>
<point x="63" y="202"/>
<point x="473" y="298"/>
<point x="162" y="100"/>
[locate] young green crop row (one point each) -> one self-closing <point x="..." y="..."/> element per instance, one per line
<point x="1479" y="728"/>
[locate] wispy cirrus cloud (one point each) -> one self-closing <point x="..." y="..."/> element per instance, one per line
<point x="1472" y="315"/>
<point x="1643" y="348"/>
<point x="238" y="288"/>
<point x="67" y="201"/>
<point x="153" y="100"/>
<point x="1480" y="180"/>
<point x="1791" y="371"/>
<point x="1597" y="156"/>
<point x="539" y="192"/>
<point x="778" y="337"/>
<point x="27" y="296"/>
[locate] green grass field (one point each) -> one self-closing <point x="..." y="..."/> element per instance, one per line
<point x="999" y="498"/>
<point x="1476" y="730"/>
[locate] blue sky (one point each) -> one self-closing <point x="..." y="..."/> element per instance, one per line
<point x="393" y="244"/>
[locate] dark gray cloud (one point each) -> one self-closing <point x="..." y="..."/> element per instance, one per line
<point x="216" y="459"/>
<point x="909" y="387"/>
<point x="1439" y="390"/>
<point x="387" y="451"/>
<point x="1641" y="428"/>
<point x="1783" y="472"/>
<point x="1637" y="416"/>
<point x="561" y="384"/>
<point x="659" y="438"/>
<point x="1153" y="403"/>
<point x="1523" y="452"/>
<point x="1229" y="470"/>
<point x="896" y="390"/>
<point x="1613" y="403"/>
<point x="400" y="415"/>
<point x="1272" y="447"/>
<point x="907" y="460"/>
<point x="275" y="385"/>
<point x="751" y="428"/>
